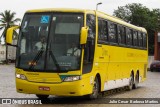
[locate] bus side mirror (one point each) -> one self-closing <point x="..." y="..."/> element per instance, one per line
<point x="9" y="34"/>
<point x="83" y="36"/>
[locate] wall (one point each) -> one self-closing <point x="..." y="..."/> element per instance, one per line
<point x="11" y="52"/>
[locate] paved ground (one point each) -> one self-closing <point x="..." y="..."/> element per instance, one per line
<point x="148" y="89"/>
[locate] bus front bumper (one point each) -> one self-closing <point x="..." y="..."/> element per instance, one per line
<point x="74" y="88"/>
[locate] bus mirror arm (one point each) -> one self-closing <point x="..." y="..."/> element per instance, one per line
<point x="83" y="36"/>
<point x="12" y="45"/>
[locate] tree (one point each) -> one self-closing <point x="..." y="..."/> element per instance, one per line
<point x="7" y="20"/>
<point x="140" y="15"/>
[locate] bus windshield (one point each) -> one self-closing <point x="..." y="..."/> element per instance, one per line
<point x="50" y="42"/>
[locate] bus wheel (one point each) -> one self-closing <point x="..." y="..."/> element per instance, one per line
<point x="42" y="96"/>
<point x="131" y="82"/>
<point x="95" y="91"/>
<point x="135" y="85"/>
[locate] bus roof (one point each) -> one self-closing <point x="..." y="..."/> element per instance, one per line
<point x="100" y="14"/>
<point x="57" y="10"/>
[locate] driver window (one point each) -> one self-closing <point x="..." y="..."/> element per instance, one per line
<point x="90" y="45"/>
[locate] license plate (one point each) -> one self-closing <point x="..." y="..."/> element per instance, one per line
<point x="44" y="88"/>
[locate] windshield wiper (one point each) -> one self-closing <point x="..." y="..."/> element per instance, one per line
<point x="54" y="59"/>
<point x="52" y="56"/>
<point x="36" y="58"/>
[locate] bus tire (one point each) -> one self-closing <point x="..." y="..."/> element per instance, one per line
<point x="131" y="82"/>
<point x="135" y="85"/>
<point x="95" y="91"/>
<point x="42" y="96"/>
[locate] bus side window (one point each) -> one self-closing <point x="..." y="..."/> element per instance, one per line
<point x="91" y="25"/>
<point x="112" y="32"/>
<point x="102" y="31"/>
<point x="144" y="40"/>
<point x="140" y="39"/>
<point x="135" y="38"/>
<point x="129" y="37"/>
<point x="121" y="34"/>
<point x="89" y="48"/>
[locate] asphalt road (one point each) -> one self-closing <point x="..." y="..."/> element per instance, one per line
<point x="148" y="89"/>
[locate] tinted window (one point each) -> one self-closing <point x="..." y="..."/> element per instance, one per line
<point x="112" y="32"/>
<point x="135" y="38"/>
<point x="91" y="25"/>
<point x="129" y="37"/>
<point x="102" y="31"/>
<point x="140" y="39"/>
<point x="144" y="40"/>
<point x="90" y="45"/>
<point x="89" y="49"/>
<point x="121" y="34"/>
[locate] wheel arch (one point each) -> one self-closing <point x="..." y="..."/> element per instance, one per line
<point x="132" y="72"/>
<point x="138" y="75"/>
<point x="99" y="80"/>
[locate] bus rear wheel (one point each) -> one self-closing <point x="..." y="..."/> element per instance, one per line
<point x="42" y="96"/>
<point x="135" y="85"/>
<point x="131" y="82"/>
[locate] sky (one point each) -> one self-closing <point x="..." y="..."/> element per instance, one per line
<point x="107" y="6"/>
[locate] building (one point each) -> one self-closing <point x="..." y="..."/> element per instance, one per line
<point x="2" y="52"/>
<point x="11" y="52"/>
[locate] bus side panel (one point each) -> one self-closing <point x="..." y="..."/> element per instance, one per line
<point x="101" y="63"/>
<point x="118" y="63"/>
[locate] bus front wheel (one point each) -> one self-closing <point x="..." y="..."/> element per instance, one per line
<point x="42" y="96"/>
<point x="96" y="87"/>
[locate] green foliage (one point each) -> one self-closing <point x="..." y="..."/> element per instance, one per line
<point x="140" y="15"/>
<point x="7" y="19"/>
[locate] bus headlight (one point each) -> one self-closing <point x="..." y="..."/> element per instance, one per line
<point x="21" y="76"/>
<point x="72" y="78"/>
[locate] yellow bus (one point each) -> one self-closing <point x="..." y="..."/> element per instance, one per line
<point x="75" y="52"/>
